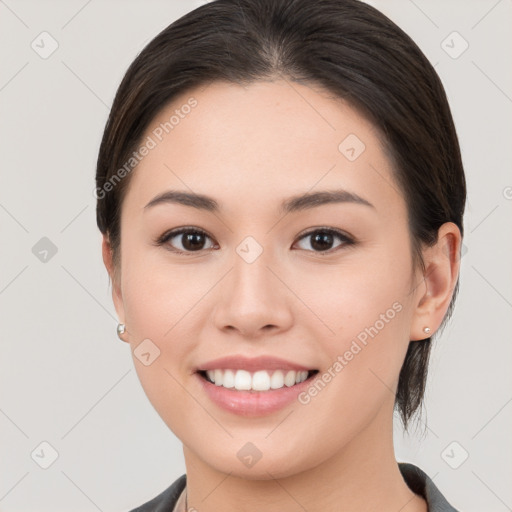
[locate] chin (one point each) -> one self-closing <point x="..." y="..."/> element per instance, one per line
<point x="270" y="464"/>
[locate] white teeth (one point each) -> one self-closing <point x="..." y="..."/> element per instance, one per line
<point x="277" y="380"/>
<point x="242" y="380"/>
<point x="289" y="378"/>
<point x="218" y="377"/>
<point x="229" y="379"/>
<point x="261" y="380"/>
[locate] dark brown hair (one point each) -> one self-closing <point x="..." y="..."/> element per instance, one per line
<point x="348" y="48"/>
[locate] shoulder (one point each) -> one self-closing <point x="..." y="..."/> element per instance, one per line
<point x="166" y="500"/>
<point x="420" y="483"/>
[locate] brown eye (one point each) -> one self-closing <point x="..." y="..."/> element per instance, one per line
<point x="322" y="240"/>
<point x="185" y="240"/>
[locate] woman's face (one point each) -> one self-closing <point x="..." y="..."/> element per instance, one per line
<point x="266" y="279"/>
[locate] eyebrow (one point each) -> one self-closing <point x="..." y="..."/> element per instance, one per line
<point x="290" y="205"/>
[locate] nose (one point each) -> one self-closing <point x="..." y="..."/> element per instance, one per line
<point x="253" y="301"/>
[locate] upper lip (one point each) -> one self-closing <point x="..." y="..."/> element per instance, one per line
<point x="251" y="364"/>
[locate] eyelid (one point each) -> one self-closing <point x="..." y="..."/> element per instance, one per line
<point x="326" y="229"/>
<point x="171" y="233"/>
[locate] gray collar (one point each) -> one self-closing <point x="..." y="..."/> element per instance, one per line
<point x="420" y="483"/>
<point x="417" y="480"/>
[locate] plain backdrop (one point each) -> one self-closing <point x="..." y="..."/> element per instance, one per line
<point x="68" y="388"/>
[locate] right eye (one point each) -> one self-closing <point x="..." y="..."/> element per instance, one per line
<point x="188" y="240"/>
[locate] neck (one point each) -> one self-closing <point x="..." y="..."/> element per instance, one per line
<point x="362" y="476"/>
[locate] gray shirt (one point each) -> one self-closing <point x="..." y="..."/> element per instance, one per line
<point x="172" y="499"/>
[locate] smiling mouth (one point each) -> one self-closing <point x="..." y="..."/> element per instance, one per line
<point x="261" y="380"/>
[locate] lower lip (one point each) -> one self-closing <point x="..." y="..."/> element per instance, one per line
<point x="253" y="403"/>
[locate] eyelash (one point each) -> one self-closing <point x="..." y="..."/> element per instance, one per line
<point x="165" y="237"/>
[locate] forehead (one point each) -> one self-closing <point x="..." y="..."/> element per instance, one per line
<point x="259" y="144"/>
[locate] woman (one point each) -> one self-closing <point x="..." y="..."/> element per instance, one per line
<point x="281" y="194"/>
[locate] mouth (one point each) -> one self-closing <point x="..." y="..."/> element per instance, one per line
<point x="257" y="381"/>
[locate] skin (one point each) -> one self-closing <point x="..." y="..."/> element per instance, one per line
<point x="249" y="148"/>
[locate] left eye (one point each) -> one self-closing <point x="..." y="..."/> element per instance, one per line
<point x="322" y="239"/>
<point x="193" y="240"/>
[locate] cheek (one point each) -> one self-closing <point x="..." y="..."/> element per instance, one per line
<point x="158" y="303"/>
<point x="159" y="318"/>
<point x="364" y="308"/>
<point x="369" y="316"/>
<point x="353" y="294"/>
<point x="157" y="295"/>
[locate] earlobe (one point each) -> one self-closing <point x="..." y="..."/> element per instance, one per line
<point x="442" y="264"/>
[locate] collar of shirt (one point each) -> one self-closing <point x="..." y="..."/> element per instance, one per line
<point x="416" y="479"/>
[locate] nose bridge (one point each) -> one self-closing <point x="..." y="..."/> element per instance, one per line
<point x="251" y="284"/>
<point x="251" y="297"/>
<point x="250" y="273"/>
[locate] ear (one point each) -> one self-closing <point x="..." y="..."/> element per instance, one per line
<point x="113" y="273"/>
<point x="434" y="293"/>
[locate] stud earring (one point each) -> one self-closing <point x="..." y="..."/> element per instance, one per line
<point x="121" y="329"/>
<point x="426" y="330"/>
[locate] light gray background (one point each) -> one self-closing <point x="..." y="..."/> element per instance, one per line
<point x="67" y="380"/>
